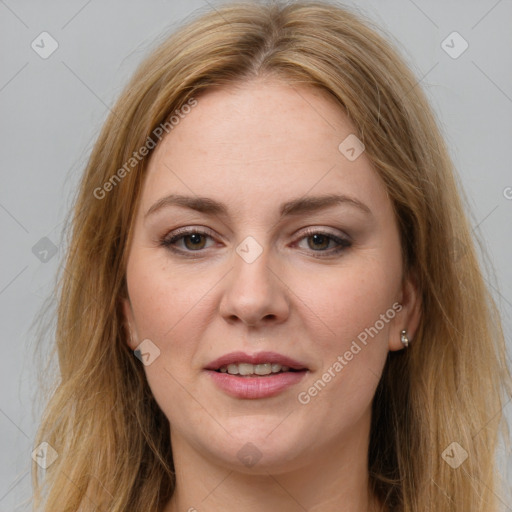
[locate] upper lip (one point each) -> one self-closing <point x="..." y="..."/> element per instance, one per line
<point x="258" y="358"/>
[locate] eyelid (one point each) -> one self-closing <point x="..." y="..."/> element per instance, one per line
<point x="343" y="240"/>
<point x="191" y="229"/>
<point x="308" y="231"/>
<point x="179" y="233"/>
<point x="313" y="230"/>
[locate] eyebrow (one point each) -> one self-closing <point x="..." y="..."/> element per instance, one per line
<point x="297" y="206"/>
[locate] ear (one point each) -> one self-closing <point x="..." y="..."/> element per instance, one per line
<point x="129" y="319"/>
<point x="409" y="316"/>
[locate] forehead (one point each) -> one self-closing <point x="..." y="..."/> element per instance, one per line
<point x="260" y="142"/>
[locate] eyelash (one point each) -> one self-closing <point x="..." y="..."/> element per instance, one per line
<point x="169" y="241"/>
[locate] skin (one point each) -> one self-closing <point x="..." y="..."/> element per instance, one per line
<point x="254" y="146"/>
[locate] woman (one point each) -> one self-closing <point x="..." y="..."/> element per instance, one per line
<point x="262" y="307"/>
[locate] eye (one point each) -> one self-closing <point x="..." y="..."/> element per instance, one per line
<point x="325" y="242"/>
<point x="190" y="240"/>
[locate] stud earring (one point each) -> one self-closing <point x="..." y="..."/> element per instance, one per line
<point x="404" y="339"/>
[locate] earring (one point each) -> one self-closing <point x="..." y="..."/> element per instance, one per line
<point x="404" y="339"/>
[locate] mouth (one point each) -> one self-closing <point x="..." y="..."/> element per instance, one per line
<point x="256" y="370"/>
<point x="259" y="364"/>
<point x="252" y="376"/>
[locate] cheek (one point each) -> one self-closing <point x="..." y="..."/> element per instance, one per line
<point x="163" y="298"/>
<point x="171" y="308"/>
<point x="350" y="312"/>
<point x="346" y="302"/>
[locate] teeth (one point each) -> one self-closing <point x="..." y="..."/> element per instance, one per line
<point x="263" y="369"/>
<point x="233" y="369"/>
<point x="245" y="369"/>
<point x="253" y="369"/>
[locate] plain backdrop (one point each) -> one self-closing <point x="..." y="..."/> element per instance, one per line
<point x="52" y="109"/>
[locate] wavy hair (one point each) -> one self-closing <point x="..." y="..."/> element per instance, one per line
<point x="112" y="440"/>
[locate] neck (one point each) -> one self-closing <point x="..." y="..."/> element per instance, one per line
<point x="334" y="480"/>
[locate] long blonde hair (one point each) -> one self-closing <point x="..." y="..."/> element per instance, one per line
<point x="450" y="386"/>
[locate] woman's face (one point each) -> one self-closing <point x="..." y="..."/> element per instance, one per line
<point x="243" y="262"/>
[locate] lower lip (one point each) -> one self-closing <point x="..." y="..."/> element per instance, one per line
<point x="255" y="387"/>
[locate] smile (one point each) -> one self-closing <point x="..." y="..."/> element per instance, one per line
<point x="261" y="369"/>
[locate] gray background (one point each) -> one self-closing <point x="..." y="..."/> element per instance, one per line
<point x="52" y="110"/>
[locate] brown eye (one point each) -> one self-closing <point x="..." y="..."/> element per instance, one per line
<point x="197" y="241"/>
<point x="318" y="241"/>
<point x="187" y="241"/>
<point x="324" y="244"/>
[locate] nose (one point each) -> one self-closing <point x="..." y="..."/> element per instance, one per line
<point x="255" y="293"/>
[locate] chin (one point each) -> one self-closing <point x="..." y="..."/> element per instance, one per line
<point x="258" y="453"/>
<point x="249" y="459"/>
